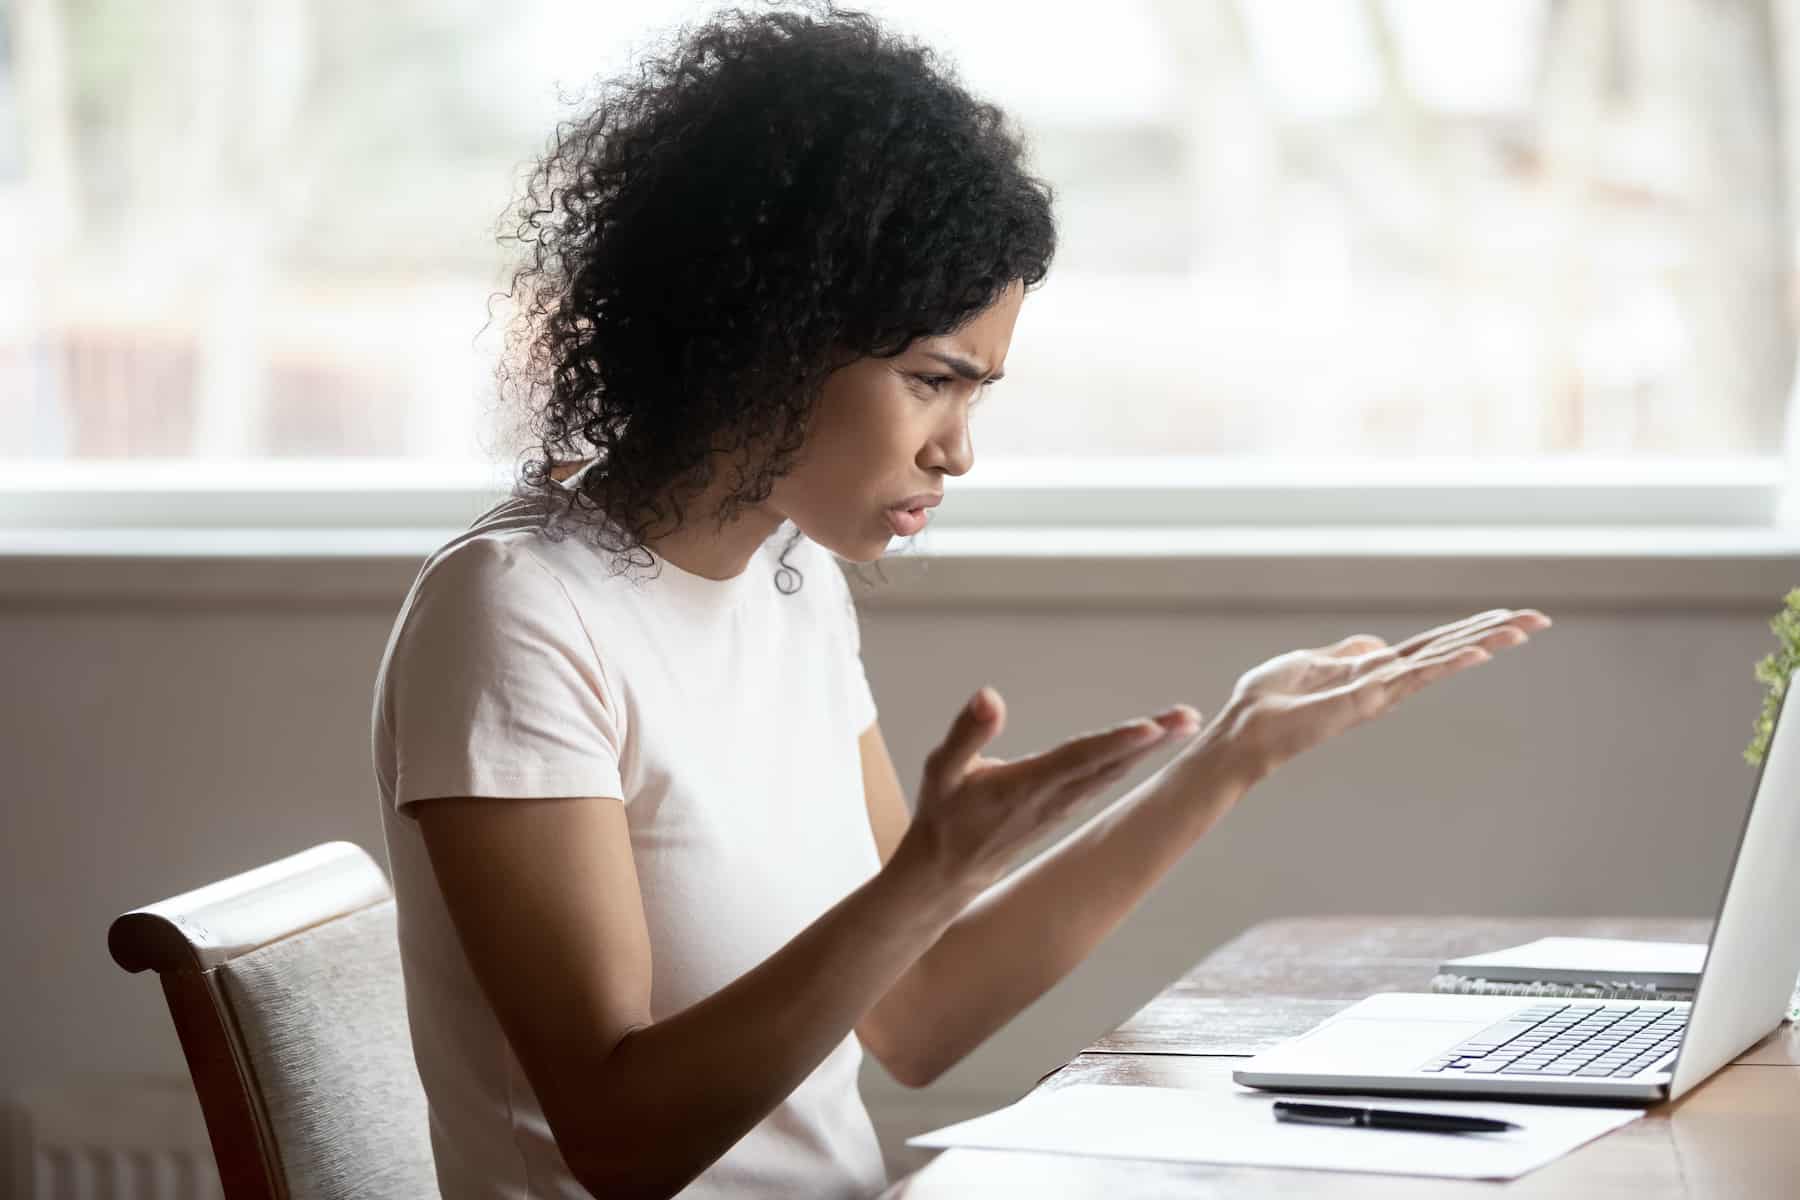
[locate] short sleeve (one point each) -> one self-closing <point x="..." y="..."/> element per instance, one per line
<point x="856" y="680"/>
<point x="494" y="685"/>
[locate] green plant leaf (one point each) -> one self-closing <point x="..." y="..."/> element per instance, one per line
<point x="1774" y="670"/>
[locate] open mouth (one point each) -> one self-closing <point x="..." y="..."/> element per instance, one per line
<point x="907" y="521"/>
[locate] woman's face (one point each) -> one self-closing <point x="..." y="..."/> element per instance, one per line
<point x="888" y="430"/>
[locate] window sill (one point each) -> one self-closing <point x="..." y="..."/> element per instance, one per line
<point x="1215" y="569"/>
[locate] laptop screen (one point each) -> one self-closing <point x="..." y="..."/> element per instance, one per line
<point x="1755" y="951"/>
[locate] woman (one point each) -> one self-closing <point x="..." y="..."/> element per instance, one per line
<point x="657" y="881"/>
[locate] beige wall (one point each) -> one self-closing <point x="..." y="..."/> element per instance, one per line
<point x="150" y="747"/>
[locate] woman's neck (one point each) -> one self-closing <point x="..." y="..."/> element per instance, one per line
<point x="721" y="554"/>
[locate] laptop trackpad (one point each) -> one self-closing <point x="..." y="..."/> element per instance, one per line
<point x="1373" y="1047"/>
<point x="1391" y="1032"/>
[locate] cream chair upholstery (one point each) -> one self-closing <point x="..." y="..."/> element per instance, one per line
<point x="284" y="985"/>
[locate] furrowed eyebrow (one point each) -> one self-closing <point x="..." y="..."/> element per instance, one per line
<point x="964" y="367"/>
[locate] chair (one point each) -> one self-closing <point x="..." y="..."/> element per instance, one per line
<point x="284" y="985"/>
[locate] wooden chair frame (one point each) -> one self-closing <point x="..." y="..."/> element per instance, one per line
<point x="186" y="938"/>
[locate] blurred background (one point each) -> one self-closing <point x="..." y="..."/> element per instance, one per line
<point x="256" y="229"/>
<point x="244" y="240"/>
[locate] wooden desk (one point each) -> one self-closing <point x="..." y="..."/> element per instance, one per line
<point x="1736" y="1137"/>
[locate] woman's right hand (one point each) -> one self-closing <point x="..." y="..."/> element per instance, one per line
<point x="976" y="814"/>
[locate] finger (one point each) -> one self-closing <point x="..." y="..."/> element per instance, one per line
<point x="1392" y="660"/>
<point x="1414" y="673"/>
<point x="974" y="727"/>
<point x="1086" y="783"/>
<point x="1512" y="632"/>
<point x="1181" y="721"/>
<point x="1492" y="638"/>
<point x="1081" y="755"/>
<point x="1430" y="668"/>
<point x="1526" y="620"/>
<point x="1419" y="641"/>
<point x="1373" y="693"/>
<point x="1115" y="769"/>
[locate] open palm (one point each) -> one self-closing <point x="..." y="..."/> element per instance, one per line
<point x="1296" y="700"/>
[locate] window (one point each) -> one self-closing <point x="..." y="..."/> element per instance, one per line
<point x="1297" y="235"/>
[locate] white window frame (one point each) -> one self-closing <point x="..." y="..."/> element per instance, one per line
<point x="1168" y="493"/>
<point x="1170" y="535"/>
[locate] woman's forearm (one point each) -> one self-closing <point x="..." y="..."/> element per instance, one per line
<point x="673" y="1096"/>
<point x="1019" y="937"/>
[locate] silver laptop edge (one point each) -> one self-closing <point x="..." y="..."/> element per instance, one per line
<point x="1744" y="988"/>
<point x="1755" y="950"/>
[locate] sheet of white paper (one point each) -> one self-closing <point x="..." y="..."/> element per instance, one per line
<point x="1237" y="1126"/>
<point x="1601" y="957"/>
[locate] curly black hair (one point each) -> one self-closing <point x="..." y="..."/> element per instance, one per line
<point x="769" y="197"/>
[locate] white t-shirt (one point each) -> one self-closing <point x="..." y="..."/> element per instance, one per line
<point x="724" y="715"/>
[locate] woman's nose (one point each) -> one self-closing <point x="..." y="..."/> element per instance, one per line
<point x="954" y="451"/>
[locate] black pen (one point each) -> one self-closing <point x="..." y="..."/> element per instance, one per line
<point x="1386" y="1118"/>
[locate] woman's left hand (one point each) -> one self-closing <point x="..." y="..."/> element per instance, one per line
<point x="1304" y="697"/>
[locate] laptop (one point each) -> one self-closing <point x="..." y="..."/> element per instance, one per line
<point x="1620" y="1051"/>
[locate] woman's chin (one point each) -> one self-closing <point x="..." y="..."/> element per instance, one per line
<point x="861" y="548"/>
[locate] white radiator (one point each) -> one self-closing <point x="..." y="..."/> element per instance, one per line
<point x="108" y="1138"/>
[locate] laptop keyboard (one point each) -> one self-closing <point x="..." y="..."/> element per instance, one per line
<point x="1569" y="1039"/>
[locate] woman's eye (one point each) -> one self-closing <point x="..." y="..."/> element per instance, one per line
<point x="938" y="383"/>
